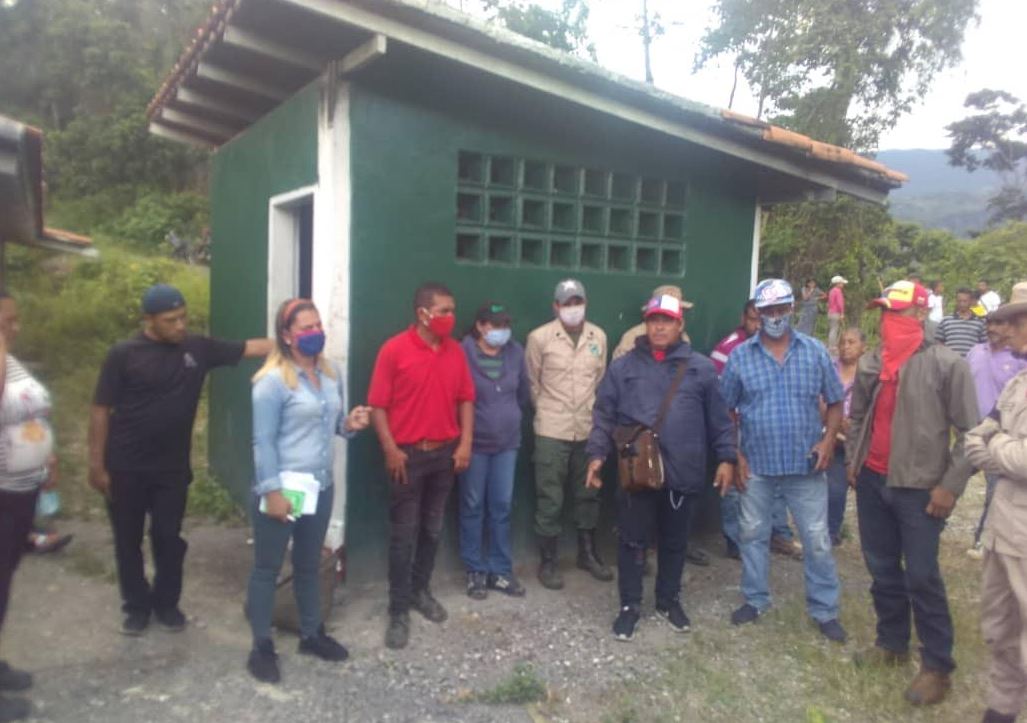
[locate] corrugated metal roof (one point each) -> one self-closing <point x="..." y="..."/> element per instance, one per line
<point x="250" y="55"/>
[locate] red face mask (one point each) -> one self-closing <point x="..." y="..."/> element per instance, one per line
<point x="442" y="326"/>
<point x="901" y="336"/>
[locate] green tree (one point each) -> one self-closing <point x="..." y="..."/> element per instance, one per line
<point x="995" y="137"/>
<point x="564" y="29"/>
<point x="842" y="70"/>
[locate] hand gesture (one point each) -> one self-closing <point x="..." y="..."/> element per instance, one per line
<point x="396" y="463"/>
<point x="941" y="504"/>
<point x="592" y="478"/>
<point x="461" y="458"/>
<point x="358" y="418"/>
<point x="277" y="507"/>
<point x="724" y="477"/>
<point x="100" y="481"/>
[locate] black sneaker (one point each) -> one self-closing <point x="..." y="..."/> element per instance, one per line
<point x="323" y="646"/>
<point x="398" y="632"/>
<point x="432" y="609"/>
<point x="745" y="614"/>
<point x="833" y="631"/>
<point x="172" y="620"/>
<point x="624" y="625"/>
<point x="135" y="624"/>
<point x="506" y="584"/>
<point x="263" y="662"/>
<point x="476" y="586"/>
<point x="12" y="679"/>
<point x="14" y="709"/>
<point x="674" y="614"/>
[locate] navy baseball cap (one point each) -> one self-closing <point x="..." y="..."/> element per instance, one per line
<point x="160" y="298"/>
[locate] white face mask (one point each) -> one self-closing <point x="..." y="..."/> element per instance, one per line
<point x="572" y="315"/>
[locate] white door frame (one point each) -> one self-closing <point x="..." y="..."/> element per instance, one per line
<point x="283" y="259"/>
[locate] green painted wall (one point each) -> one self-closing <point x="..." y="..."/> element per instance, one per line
<point x="278" y="154"/>
<point x="405" y="145"/>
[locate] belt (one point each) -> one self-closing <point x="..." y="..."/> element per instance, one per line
<point x="430" y="445"/>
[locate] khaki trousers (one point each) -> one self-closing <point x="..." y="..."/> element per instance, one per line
<point x="1003" y="617"/>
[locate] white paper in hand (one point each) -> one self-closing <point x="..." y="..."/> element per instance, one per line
<point x="307" y="484"/>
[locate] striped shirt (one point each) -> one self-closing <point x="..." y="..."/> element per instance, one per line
<point x="491" y="366"/>
<point x="960" y="335"/>
<point x="779" y="402"/>
<point x="26" y="440"/>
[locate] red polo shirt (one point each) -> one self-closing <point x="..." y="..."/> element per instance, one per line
<point x="420" y="387"/>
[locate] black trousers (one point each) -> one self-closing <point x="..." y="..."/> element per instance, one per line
<point x="162" y="496"/>
<point x="17" y="510"/>
<point x="416" y="512"/>
<point x="643" y="517"/>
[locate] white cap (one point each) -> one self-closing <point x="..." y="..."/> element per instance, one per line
<point x="836" y="279"/>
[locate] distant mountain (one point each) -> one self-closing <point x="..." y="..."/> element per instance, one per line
<point x="939" y="195"/>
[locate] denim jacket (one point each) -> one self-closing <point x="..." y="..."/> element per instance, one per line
<point x="293" y="429"/>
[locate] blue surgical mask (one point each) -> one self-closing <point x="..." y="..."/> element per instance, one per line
<point x="776" y="326"/>
<point x="310" y="343"/>
<point x="497" y="337"/>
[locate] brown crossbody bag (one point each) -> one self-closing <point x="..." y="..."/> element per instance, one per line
<point x="639" y="464"/>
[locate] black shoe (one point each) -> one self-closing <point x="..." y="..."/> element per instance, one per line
<point x="135" y="623"/>
<point x="624" y="625"/>
<point x="12" y="679"/>
<point x="588" y="557"/>
<point x="732" y="551"/>
<point x="745" y="614"/>
<point x="674" y="614"/>
<point x="398" y="632"/>
<point x="14" y="709"/>
<point x="263" y="662"/>
<point x="432" y="609"/>
<point x="506" y="584"/>
<point x="993" y="716"/>
<point x="172" y="620"/>
<point x="476" y="586"/>
<point x="697" y="556"/>
<point x="549" y="568"/>
<point x="833" y="631"/>
<point x="323" y="646"/>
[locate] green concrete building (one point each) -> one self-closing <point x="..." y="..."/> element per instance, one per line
<point x="362" y="147"/>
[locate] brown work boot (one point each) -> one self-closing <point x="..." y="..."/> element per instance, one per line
<point x="783" y="546"/>
<point x="549" y="567"/>
<point x="880" y="657"/>
<point x="928" y="687"/>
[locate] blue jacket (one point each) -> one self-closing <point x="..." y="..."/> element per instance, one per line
<point x="631" y="393"/>
<point x="498" y="404"/>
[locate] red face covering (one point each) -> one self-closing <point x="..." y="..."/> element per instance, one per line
<point x="901" y="336"/>
<point x="442" y="326"/>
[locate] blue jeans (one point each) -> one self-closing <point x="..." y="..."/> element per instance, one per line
<point x="270" y="540"/>
<point x="730" y="511"/>
<point x="837" y="493"/>
<point x="806" y="497"/>
<point x="486" y="494"/>
<point x="900" y="547"/>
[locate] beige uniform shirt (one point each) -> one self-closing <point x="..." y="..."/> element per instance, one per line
<point x="564" y="379"/>
<point x="1000" y="447"/>
<point x="627" y="342"/>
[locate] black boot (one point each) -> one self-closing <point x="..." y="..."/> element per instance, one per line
<point x="548" y="569"/>
<point x="588" y="556"/>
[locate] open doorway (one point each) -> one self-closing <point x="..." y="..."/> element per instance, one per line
<point x="290" y="249"/>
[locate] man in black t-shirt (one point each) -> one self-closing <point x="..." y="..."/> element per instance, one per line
<point x="140" y="429"/>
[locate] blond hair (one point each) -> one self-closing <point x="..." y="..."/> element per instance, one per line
<point x="280" y="358"/>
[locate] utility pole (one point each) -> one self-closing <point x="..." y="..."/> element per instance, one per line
<point x="647" y="41"/>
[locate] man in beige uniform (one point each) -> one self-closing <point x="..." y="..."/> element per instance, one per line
<point x="999" y="445"/>
<point x="566" y="359"/>
<point x="627" y="342"/>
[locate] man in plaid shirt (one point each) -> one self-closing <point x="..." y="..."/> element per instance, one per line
<point x="775" y="380"/>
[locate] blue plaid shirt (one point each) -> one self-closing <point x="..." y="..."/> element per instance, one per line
<point x="779" y="403"/>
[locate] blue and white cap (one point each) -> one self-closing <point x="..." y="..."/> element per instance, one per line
<point x="772" y="292"/>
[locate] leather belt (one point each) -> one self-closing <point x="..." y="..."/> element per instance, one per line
<point x="430" y="445"/>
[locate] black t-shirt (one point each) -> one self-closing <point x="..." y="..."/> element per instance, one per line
<point x="153" y="389"/>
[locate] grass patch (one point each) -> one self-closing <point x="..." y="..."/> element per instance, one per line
<point x="210" y="500"/>
<point x="522" y="686"/>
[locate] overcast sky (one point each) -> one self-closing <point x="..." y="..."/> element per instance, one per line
<point x="993" y="57"/>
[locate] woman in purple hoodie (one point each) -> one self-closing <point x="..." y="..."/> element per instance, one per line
<point x="486" y="488"/>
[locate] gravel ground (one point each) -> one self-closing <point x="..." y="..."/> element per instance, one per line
<point x="64" y="619"/>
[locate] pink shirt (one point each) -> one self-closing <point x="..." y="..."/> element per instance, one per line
<point x="835" y="301"/>
<point x="724" y="348"/>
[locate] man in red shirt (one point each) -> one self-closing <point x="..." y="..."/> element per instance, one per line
<point x="835" y="311"/>
<point x="423" y="400"/>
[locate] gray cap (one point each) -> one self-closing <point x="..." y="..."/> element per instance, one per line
<point x="568" y="289"/>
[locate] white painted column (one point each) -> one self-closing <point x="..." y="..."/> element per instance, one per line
<point x="331" y="260"/>
<point x="757" y="224"/>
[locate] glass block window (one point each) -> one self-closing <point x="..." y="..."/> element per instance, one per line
<point x="534" y="214"/>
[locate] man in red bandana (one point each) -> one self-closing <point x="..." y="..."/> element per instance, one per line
<point x="908" y="398"/>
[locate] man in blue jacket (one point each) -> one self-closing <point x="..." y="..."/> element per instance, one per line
<point x="631" y="393"/>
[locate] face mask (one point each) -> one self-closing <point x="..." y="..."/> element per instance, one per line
<point x="572" y="315"/>
<point x="497" y="337"/>
<point x="776" y="326"/>
<point x="442" y="326"/>
<point x="309" y="343"/>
